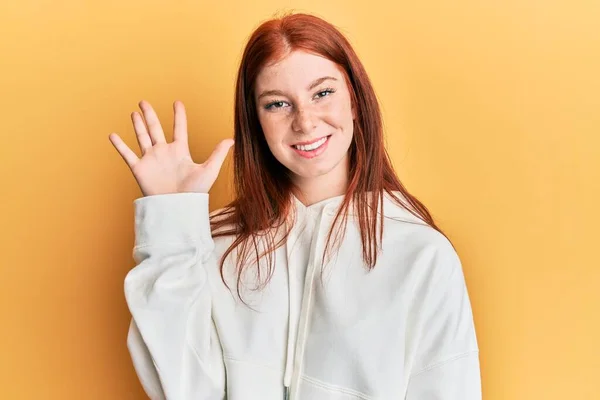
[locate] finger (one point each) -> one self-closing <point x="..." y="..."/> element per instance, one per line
<point x="128" y="155"/>
<point x="141" y="133"/>
<point x="179" y="122"/>
<point x="155" y="129"/>
<point x="217" y="157"/>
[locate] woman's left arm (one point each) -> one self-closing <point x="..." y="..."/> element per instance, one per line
<point x="446" y="366"/>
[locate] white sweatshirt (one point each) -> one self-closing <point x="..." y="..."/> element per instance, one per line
<point x="402" y="331"/>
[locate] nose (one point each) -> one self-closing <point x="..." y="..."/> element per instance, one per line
<point x="304" y="121"/>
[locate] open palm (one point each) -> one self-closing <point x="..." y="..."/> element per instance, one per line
<point x="168" y="167"/>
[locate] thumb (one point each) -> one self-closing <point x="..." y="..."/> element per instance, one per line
<point x="216" y="159"/>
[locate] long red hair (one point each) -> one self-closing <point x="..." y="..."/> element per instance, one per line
<point x="262" y="185"/>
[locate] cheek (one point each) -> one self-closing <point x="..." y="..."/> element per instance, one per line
<point x="273" y="127"/>
<point x="340" y="116"/>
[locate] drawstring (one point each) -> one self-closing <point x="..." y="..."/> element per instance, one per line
<point x="292" y="373"/>
<point x="287" y="378"/>
<point x="292" y="295"/>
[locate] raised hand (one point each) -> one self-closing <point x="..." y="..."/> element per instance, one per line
<point x="168" y="167"/>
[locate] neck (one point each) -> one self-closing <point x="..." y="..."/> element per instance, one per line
<point x="315" y="189"/>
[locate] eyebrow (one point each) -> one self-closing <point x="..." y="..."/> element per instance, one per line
<point x="314" y="84"/>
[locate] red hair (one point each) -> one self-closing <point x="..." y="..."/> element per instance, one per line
<point x="263" y="187"/>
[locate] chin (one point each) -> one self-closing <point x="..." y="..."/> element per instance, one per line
<point x="304" y="174"/>
<point x="314" y="171"/>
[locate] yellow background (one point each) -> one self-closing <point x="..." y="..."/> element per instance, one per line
<point x="492" y="117"/>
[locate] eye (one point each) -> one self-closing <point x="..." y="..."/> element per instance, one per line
<point x="324" y="93"/>
<point x="275" y="105"/>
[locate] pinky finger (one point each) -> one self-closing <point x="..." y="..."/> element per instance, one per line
<point x="128" y="155"/>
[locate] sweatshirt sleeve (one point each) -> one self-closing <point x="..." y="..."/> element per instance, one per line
<point x="172" y="338"/>
<point x="447" y="357"/>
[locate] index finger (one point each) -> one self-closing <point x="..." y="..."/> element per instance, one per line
<point x="179" y="122"/>
<point x="128" y="155"/>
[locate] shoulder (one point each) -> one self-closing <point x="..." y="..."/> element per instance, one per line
<point x="400" y="219"/>
<point x="397" y="208"/>
<point x="417" y="243"/>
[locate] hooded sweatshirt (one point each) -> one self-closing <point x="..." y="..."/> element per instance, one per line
<point x="332" y="330"/>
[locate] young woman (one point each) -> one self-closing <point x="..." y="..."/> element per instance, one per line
<point x="324" y="278"/>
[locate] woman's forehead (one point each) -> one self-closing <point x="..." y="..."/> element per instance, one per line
<point x="297" y="69"/>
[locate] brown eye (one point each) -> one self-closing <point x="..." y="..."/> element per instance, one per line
<point x="275" y="105"/>
<point x="324" y="93"/>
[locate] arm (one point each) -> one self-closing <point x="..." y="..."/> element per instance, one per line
<point x="447" y="361"/>
<point x="172" y="339"/>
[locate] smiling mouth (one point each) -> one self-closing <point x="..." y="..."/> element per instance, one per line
<point x="312" y="146"/>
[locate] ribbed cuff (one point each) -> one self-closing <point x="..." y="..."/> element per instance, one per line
<point x="172" y="218"/>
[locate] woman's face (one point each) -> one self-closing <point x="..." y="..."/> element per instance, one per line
<point x="305" y="111"/>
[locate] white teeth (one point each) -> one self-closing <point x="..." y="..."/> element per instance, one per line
<point x="312" y="146"/>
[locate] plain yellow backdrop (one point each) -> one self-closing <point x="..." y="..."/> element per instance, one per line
<point x="492" y="118"/>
